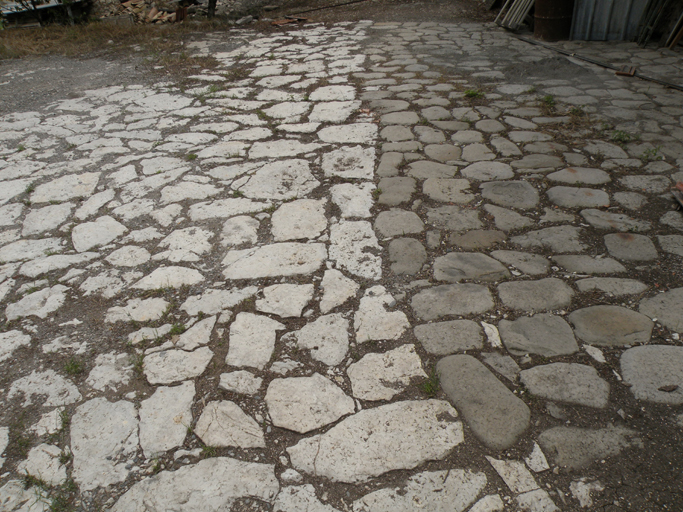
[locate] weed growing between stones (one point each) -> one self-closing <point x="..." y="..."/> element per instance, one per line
<point x="73" y="366"/>
<point x="430" y="387"/>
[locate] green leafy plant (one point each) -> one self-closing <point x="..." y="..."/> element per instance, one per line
<point x="622" y="137"/>
<point x="430" y="387"/>
<point x="548" y="100"/>
<point x="73" y="366"/>
<point x="177" y="329"/>
<point x="474" y="94"/>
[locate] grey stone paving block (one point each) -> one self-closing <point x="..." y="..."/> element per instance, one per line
<point x="444" y="338"/>
<point x="488" y="171"/>
<point x="541" y="295"/>
<point x="558" y="239"/>
<point x="395" y="190"/>
<point x="611" y="326"/>
<point x="504" y="365"/>
<point x="458" y="266"/>
<point x="577" y="175"/>
<point x="447" y="190"/>
<point x="405" y="117"/>
<point x="536" y="162"/>
<point x="398" y="222"/>
<point x="387" y="106"/>
<point x="477" y="152"/>
<point x="572" y="197"/>
<point x="424" y="169"/>
<point x="477" y="239"/>
<point x="567" y="382"/>
<point x="582" y="264"/>
<point x="614" y="221"/>
<point x="576" y="448"/>
<point x="532" y="264"/>
<point x="496" y="416"/>
<point x="666" y="307"/>
<point x="647" y="184"/>
<point x="408" y="146"/>
<point x="630" y="247"/>
<point x="514" y="194"/>
<point x="630" y="200"/>
<point x="505" y="147"/>
<point x="454" y="218"/>
<point x="507" y="220"/>
<point x="655" y="373"/>
<point x="443" y="152"/>
<point x="396" y="133"/>
<point x="435" y="113"/>
<point x="547" y="335"/>
<point x="490" y="126"/>
<point x="429" y="135"/>
<point x="451" y="299"/>
<point x="389" y="164"/>
<point x="407" y="256"/>
<point x="672" y="244"/>
<point x="612" y="285"/>
<point x="672" y="219"/>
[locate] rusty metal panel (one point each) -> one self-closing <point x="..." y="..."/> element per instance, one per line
<point x="607" y="20"/>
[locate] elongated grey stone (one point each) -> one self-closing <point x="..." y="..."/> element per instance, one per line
<point x="513" y="194"/>
<point x="458" y="266"/>
<point x="666" y="307"/>
<point x="444" y="338"/>
<point x="571" y="197"/>
<point x="547" y="335"/>
<point x="451" y="299"/>
<point x="541" y="295"/>
<point x="496" y="416"/>
<point x="655" y="373"/>
<point x="567" y="382"/>
<point x="630" y="247"/>
<point x="583" y="264"/>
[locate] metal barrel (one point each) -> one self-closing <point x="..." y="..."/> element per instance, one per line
<point x="553" y="19"/>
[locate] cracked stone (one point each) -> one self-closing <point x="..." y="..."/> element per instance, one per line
<point x="373" y="322"/>
<point x="100" y="232"/>
<point x="354" y="248"/>
<point x="300" y="219"/>
<point x="165" y="418"/>
<point x="285" y="300"/>
<point x="169" y="366"/>
<point x="223" y="424"/>
<point x="281" y="259"/>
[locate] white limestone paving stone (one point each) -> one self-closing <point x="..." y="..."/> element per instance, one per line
<point x="327" y="338"/>
<point x="363" y="445"/>
<point x="223" y="423"/>
<point x="285" y="300"/>
<point x="169" y="366"/>
<point x="372" y="321"/>
<point x="303" y="404"/>
<point x="252" y="340"/>
<point x="282" y="259"/>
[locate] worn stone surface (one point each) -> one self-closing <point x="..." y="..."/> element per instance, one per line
<point x="43" y="462"/>
<point x="373" y="321"/>
<point x="541" y="295"/>
<point x="327" y="338"/>
<point x="252" y="340"/>
<point x="169" y="366"/>
<point x="303" y="404"/>
<point x="654" y="372"/>
<point x="165" y="418"/>
<point x="460" y="266"/>
<point x="666" y="308"/>
<point x="407" y="256"/>
<point x="398" y="222"/>
<point x="444" y="338"/>
<point x="337" y="289"/>
<point x="223" y="423"/>
<point x="362" y="446"/>
<point x="528" y="263"/>
<point x="559" y="239"/>
<point x="630" y="247"/>
<point x="285" y="300"/>
<point x="477" y="239"/>
<point x="611" y="326"/>
<point x="451" y="299"/>
<point x="612" y="285"/>
<point x="544" y="334"/>
<point x="241" y="381"/>
<point x="283" y="259"/>
<point x="567" y="382"/>
<point x="513" y="194"/>
<point x="353" y="246"/>
<point x="576" y="448"/>
<point x="495" y="415"/>
<point x="381" y="376"/>
<point x="614" y="221"/>
<point x="583" y="264"/>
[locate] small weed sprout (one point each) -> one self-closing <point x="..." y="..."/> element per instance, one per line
<point x="548" y="100"/>
<point x="376" y="193"/>
<point x="430" y="387"/>
<point x="651" y="155"/>
<point x="73" y="366"/>
<point x="474" y="94"/>
<point x="209" y="451"/>
<point x="177" y="329"/>
<point x="191" y="157"/>
<point x="622" y="137"/>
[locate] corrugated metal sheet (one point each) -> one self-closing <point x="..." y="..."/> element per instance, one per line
<point x="607" y="20"/>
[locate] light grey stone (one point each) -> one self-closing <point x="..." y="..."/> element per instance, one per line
<point x="354" y="248"/>
<point x="495" y="415"/>
<point x="467" y="137"/>
<point x="212" y="302"/>
<point x="395" y="190"/>
<point x="477" y="153"/>
<point x="188" y="244"/>
<point x="630" y="247"/>
<point x="46" y="219"/>
<point x="559" y="239"/>
<point x="405" y="117"/>
<point x="40" y="266"/>
<point x="43" y="462"/>
<point x="537" y="163"/>
<point x="100" y="232"/>
<point x="654" y="372"/>
<point x="240" y="230"/>
<point x="515" y="475"/>
<point x="447" y="190"/>
<point x="23" y="250"/>
<point x="451" y="299"/>
<point x="454" y="218"/>
<point x="504" y="147"/>
<point x="281" y="259"/>
<point x="542" y="295"/>
<point x="372" y="321"/>
<point x="111" y="371"/>
<point x="138" y="310"/>
<point x="580" y="175"/>
<point x="666" y="307"/>
<point x="438" y="491"/>
<point x="67" y="187"/>
<point x="507" y="220"/>
<point x="514" y="194"/>
<point x="362" y="446"/>
<point x="169" y="277"/>
<point x="41" y="303"/>
<point x="332" y="112"/>
<point x="327" y="338"/>
<point x="223" y="208"/>
<point x="445" y="338"/>
<point x="611" y="326"/>
<point x="384" y="375"/>
<point x="165" y="418"/>
<point x="241" y="381"/>
<point x="252" y="340"/>
<point x="129" y="256"/>
<point x="104" y="437"/>
<point x="458" y="266"/>
<point x="45" y="387"/>
<point x="353" y="200"/>
<point x="477" y="239"/>
<point x="647" y="184"/>
<point x="547" y="335"/>
<point x="303" y="404"/>
<point x="285" y="300"/>
<point x="630" y="200"/>
<point x="11" y="341"/>
<point x="614" y="221"/>
<point x="282" y="180"/>
<point x="532" y="264"/>
<point x="489" y="503"/>
<point x="574" y="197"/>
<point x="612" y="285"/>
<point x="351" y="162"/>
<point x="396" y="133"/>
<point x="350" y="133"/>
<point x="673" y="244"/>
<point x="605" y="149"/>
<point x="186" y="489"/>
<point x="576" y="448"/>
<point x="300" y="498"/>
<point x="407" y="256"/>
<point x="488" y="171"/>
<point x="337" y="289"/>
<point x="169" y="366"/>
<point x="423" y="169"/>
<point x="398" y="222"/>
<point x="567" y="382"/>
<point x="504" y="365"/>
<point x="582" y="264"/>
<point x="442" y="152"/>
<point x="223" y="423"/>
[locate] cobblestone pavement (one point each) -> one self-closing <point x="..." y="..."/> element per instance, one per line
<point x="358" y="267"/>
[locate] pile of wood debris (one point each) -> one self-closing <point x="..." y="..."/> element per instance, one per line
<point x="142" y="12"/>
